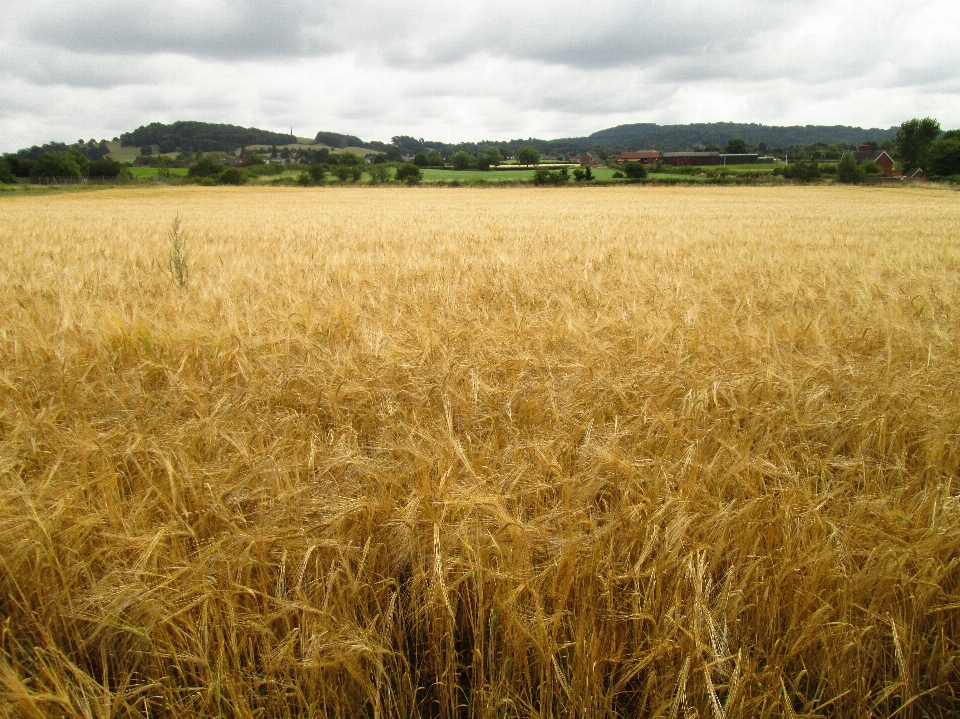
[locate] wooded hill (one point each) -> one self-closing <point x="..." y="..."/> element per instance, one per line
<point x="191" y="136"/>
<point x="669" y="138"/>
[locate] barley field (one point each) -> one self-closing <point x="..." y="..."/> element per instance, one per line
<point x="602" y="452"/>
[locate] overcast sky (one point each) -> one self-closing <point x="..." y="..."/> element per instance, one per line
<point x="470" y="70"/>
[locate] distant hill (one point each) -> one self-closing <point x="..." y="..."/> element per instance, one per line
<point x="190" y="136"/>
<point x="686" y="137"/>
<point x="663" y="137"/>
<point x="338" y="141"/>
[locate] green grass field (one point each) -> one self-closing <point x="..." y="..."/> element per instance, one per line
<point x="433" y="175"/>
<point x="145" y="173"/>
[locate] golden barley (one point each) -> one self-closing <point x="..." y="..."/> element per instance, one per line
<point x="429" y="452"/>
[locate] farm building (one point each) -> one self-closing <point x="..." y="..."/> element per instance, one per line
<point x="681" y="159"/>
<point x="881" y="157"/>
<point x="646" y="157"/>
<point x="588" y="160"/>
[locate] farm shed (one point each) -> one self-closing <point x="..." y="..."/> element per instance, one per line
<point x="681" y="159"/>
<point x="646" y="157"/>
<point x="588" y="160"/>
<point x="881" y="157"/>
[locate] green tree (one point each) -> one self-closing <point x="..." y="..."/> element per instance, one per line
<point x="318" y="173"/>
<point x="421" y="159"/>
<point x="634" y="170"/>
<point x="848" y="171"/>
<point x="528" y="155"/>
<point x="943" y="157"/>
<point x="6" y="173"/>
<point x="57" y="164"/>
<point x="737" y="146"/>
<point x="379" y="173"/>
<point x="146" y="150"/>
<point x="494" y="155"/>
<point x="409" y="173"/>
<point x="803" y="171"/>
<point x="232" y="176"/>
<point x="913" y="139"/>
<point x="205" y="167"/>
<point x="356" y="173"/>
<point x="462" y="160"/>
<point x="103" y="168"/>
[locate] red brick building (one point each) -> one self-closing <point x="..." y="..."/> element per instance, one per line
<point x="588" y="160"/>
<point x="646" y="157"/>
<point x="881" y="157"/>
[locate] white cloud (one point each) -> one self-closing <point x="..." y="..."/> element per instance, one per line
<point x="473" y="69"/>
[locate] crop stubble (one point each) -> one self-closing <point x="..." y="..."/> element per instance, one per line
<point x="481" y="452"/>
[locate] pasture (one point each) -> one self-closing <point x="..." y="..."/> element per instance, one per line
<point x="399" y="452"/>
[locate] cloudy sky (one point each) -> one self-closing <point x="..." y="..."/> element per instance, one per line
<point x="470" y="69"/>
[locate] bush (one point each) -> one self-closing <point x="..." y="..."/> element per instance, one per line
<point x="618" y="175"/>
<point x="6" y="174"/>
<point x="206" y="167"/>
<point x="802" y="171"/>
<point x="421" y="159"/>
<point x="409" y="173"/>
<point x="56" y="164"/>
<point x="146" y="150"/>
<point x="634" y="170"/>
<point x="379" y="174"/>
<point x="104" y="168"/>
<point x="348" y="159"/>
<point x="269" y="168"/>
<point x="232" y="176"/>
<point x="848" y="171"/>
<point x="943" y="158"/>
<point x="304" y="179"/>
<point x="342" y="172"/>
<point x="356" y="173"/>
<point x="317" y="173"/>
<point x="872" y="168"/>
<point x="543" y="177"/>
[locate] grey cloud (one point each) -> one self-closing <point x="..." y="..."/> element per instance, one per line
<point x="474" y="68"/>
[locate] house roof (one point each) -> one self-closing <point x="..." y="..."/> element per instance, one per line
<point x="639" y="154"/>
<point x="691" y="154"/>
<point x="870" y="155"/>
